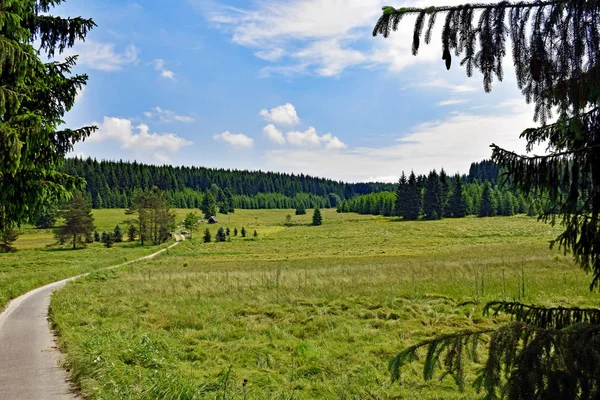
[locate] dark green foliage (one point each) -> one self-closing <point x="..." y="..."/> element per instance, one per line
<point x="207" y="236"/>
<point x="131" y="233"/>
<point x="108" y="238"/>
<point x="401" y="205"/>
<point x="488" y="204"/>
<point x="300" y="208"/>
<point x="34" y="96"/>
<point x="220" y="236"/>
<point x="96" y="236"/>
<point x="486" y="170"/>
<point x="118" y="182"/>
<point x="255" y="234"/>
<point x="46" y="216"/>
<point x="456" y="207"/>
<point x="118" y="234"/>
<point x="7" y="238"/>
<point x="154" y="218"/>
<point x="317" y="218"/>
<point x="548" y="353"/>
<point x="79" y="222"/>
<point x="433" y="197"/>
<point x="209" y="205"/>
<point x="235" y="231"/>
<point x="243" y="232"/>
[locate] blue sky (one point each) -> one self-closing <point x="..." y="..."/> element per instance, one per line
<point x="292" y="86"/>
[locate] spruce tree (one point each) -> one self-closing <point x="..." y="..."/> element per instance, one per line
<point x="414" y="199"/>
<point x="317" y="218"/>
<point x="487" y="207"/>
<point x="131" y="233"/>
<point x="235" y="231"/>
<point x="79" y="222"/>
<point x="457" y="207"/>
<point x="300" y="208"/>
<point x="545" y="352"/>
<point x="34" y="96"/>
<point x="432" y="199"/>
<point x="209" y="205"/>
<point x="96" y="236"/>
<point x="220" y="236"/>
<point x="108" y="239"/>
<point x="402" y="196"/>
<point x="243" y="232"/>
<point x="207" y="236"/>
<point x="118" y="234"/>
<point x="445" y="192"/>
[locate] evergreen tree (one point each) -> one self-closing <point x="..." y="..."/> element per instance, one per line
<point x="118" y="234"/>
<point x="46" y="216"/>
<point x="79" y="222"/>
<point x="445" y="192"/>
<point x="7" y="238"/>
<point x="228" y="231"/>
<point x="317" y="218"/>
<point x="488" y="205"/>
<point x="402" y="196"/>
<point x="221" y="236"/>
<point x="34" y="96"/>
<point x="209" y="205"/>
<point x="243" y="232"/>
<point x="131" y="233"/>
<point x="457" y="207"/>
<point x="413" y="203"/>
<point x="103" y="236"/>
<point x="229" y="199"/>
<point x="108" y="239"/>
<point x="432" y="200"/>
<point x="207" y="236"/>
<point x="546" y="352"/>
<point x="235" y="231"/>
<point x="300" y="208"/>
<point x="96" y="236"/>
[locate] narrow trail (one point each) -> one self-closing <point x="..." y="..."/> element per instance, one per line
<point x="29" y="357"/>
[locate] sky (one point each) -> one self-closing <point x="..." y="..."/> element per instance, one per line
<point x="297" y="86"/>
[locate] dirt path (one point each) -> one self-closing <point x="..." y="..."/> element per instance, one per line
<point x="28" y="355"/>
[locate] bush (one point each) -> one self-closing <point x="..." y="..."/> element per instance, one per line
<point x="207" y="236"/>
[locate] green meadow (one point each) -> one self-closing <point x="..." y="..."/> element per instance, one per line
<point x="301" y="312"/>
<point x="39" y="261"/>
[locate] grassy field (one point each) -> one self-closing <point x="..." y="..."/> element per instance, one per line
<point x="302" y="312"/>
<point x="38" y="262"/>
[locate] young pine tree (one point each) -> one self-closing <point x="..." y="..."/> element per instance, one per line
<point x="487" y="207"/>
<point x="131" y="233"/>
<point x="243" y="232"/>
<point x="108" y="238"/>
<point x="118" y="234"/>
<point x="207" y="236"/>
<point x="221" y="236"/>
<point x="317" y="218"/>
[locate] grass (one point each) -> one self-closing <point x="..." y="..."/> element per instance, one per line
<point x="302" y="312"/>
<point x="38" y="261"/>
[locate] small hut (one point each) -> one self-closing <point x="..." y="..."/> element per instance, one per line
<point x="213" y="220"/>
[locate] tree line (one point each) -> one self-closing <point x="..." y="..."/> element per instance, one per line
<point x="113" y="184"/>
<point x="437" y="196"/>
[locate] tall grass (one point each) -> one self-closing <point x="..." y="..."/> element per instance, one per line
<point x="302" y="312"/>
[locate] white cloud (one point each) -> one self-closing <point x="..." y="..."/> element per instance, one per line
<point x="235" y="140"/>
<point x="301" y="36"/>
<point x="452" y="143"/>
<point x="442" y="84"/>
<point x="166" y="116"/>
<point x="159" y="65"/>
<point x="282" y="115"/>
<point x="310" y="138"/>
<point x="137" y="138"/>
<point x="103" y="56"/>
<point x="450" y="102"/>
<point x="273" y="134"/>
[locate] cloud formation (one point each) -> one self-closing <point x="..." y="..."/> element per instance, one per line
<point x="159" y="65"/>
<point x="310" y="138"/>
<point x="167" y="116"/>
<point x="238" y="140"/>
<point x="103" y="56"/>
<point x="273" y="134"/>
<point x="281" y="115"/>
<point x="138" y="138"/>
